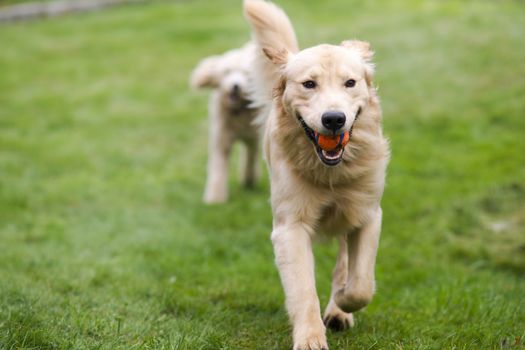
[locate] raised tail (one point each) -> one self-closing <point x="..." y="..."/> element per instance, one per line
<point x="272" y="33"/>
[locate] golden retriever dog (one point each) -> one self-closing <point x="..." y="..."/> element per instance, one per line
<point x="316" y="99"/>
<point x="230" y="118"/>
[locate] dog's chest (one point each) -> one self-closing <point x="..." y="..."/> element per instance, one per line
<point x="346" y="210"/>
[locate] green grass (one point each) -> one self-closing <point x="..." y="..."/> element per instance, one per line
<point x="105" y="243"/>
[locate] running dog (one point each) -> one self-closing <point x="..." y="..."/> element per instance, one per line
<point x="327" y="158"/>
<point x="230" y="118"/>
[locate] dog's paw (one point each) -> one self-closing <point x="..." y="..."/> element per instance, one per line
<point x="311" y="340"/>
<point x="355" y="295"/>
<point x="338" y="320"/>
<point x="215" y="198"/>
<point x="312" y="343"/>
<point x="211" y="201"/>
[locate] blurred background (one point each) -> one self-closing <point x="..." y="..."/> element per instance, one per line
<point x="105" y="242"/>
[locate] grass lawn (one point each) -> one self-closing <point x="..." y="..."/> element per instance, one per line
<point x="104" y="241"/>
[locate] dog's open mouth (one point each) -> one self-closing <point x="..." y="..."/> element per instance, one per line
<point x="330" y="149"/>
<point x="332" y="157"/>
<point x="235" y="96"/>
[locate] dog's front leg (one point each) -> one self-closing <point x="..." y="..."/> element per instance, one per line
<point x="362" y="250"/>
<point x="334" y="317"/>
<point x="294" y="258"/>
<point x="219" y="149"/>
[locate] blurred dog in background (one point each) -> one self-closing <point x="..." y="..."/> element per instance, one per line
<point x="231" y="118"/>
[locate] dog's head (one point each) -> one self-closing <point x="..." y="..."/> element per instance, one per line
<point x="325" y="88"/>
<point x="228" y="73"/>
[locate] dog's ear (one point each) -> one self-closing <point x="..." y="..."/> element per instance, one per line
<point x="365" y="51"/>
<point x="278" y="57"/>
<point x="206" y="74"/>
<point x="363" y="47"/>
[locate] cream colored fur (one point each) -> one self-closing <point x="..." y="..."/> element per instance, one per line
<point x="231" y="118"/>
<point x="308" y="197"/>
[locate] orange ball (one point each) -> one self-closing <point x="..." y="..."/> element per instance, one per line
<point x="329" y="143"/>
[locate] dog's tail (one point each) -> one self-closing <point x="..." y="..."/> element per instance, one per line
<point x="272" y="33"/>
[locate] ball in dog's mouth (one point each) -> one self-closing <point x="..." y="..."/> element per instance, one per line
<point x="330" y="149"/>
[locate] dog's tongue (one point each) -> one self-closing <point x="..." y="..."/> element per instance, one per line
<point x="329" y="143"/>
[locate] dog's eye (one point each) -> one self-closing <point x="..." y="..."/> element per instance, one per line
<point x="350" y="83"/>
<point x="309" y="84"/>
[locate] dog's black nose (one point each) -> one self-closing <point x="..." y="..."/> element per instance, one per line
<point x="333" y="120"/>
<point x="236" y="89"/>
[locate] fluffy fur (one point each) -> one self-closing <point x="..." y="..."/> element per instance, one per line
<point x="308" y="197"/>
<point x="231" y="118"/>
